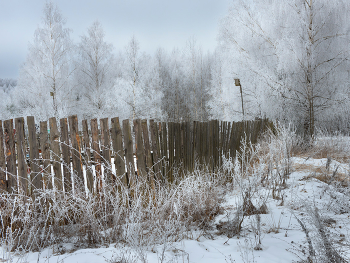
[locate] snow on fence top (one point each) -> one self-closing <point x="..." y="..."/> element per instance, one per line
<point x="49" y="156"/>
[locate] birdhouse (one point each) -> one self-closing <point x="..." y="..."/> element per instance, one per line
<point x="237" y="82"/>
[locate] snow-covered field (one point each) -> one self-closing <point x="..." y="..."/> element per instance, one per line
<point x="282" y="239"/>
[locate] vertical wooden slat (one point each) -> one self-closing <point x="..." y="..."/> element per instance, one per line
<point x="231" y="140"/>
<point x="177" y="138"/>
<point x="3" y="181"/>
<point x="149" y="164"/>
<point x="155" y="149"/>
<point x="129" y="156"/>
<point x="117" y="143"/>
<point x="67" y="180"/>
<point x="96" y="154"/>
<point x="164" y="155"/>
<point x="56" y="153"/>
<point x="106" y="154"/>
<point x="223" y="134"/>
<point x="87" y="150"/>
<point x="216" y="148"/>
<point x="227" y="141"/>
<point x="35" y="174"/>
<point x="146" y="144"/>
<point x="10" y="156"/>
<point x="76" y="147"/>
<point x="182" y="148"/>
<point x="239" y="133"/>
<point x="140" y="153"/>
<point x="205" y="142"/>
<point x="189" y="147"/>
<point x="202" y="143"/>
<point x="171" y="150"/>
<point x="45" y="154"/>
<point x="158" y="132"/>
<point x="211" y="146"/>
<point x="21" y="156"/>
<point x="194" y="142"/>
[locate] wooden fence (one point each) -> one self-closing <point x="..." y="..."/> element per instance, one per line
<point x="30" y="155"/>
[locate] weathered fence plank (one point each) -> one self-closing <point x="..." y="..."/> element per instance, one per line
<point x="129" y="156"/>
<point x="35" y="170"/>
<point x="87" y="151"/>
<point x="56" y="158"/>
<point x="155" y="149"/>
<point x="10" y="153"/>
<point x="211" y="146"/>
<point x="3" y="181"/>
<point x="67" y="180"/>
<point x="147" y="148"/>
<point x="227" y="140"/>
<point x="106" y="154"/>
<point x="96" y="153"/>
<point x="171" y="150"/>
<point x="21" y="156"/>
<point x="164" y="153"/>
<point x="76" y="148"/>
<point x="189" y="147"/>
<point x="117" y="143"/>
<point x="140" y="152"/>
<point x="178" y="145"/>
<point x="45" y="154"/>
<point x="216" y="148"/>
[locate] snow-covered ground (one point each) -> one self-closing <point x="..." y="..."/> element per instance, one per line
<point x="282" y="237"/>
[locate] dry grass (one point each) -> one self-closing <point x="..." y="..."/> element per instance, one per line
<point x="321" y="173"/>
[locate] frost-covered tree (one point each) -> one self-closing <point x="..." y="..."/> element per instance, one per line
<point x="45" y="78"/>
<point x="196" y="66"/>
<point x="8" y="96"/>
<point x="95" y="73"/>
<point x="290" y="54"/>
<point x="174" y="104"/>
<point x="136" y="87"/>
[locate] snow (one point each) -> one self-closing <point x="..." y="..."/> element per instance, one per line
<point x="282" y="239"/>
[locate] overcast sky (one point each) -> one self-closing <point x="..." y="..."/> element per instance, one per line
<point x="155" y="23"/>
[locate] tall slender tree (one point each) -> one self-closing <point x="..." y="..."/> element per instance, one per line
<point x="95" y="74"/>
<point x="45" y="77"/>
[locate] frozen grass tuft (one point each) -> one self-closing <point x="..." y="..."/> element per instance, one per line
<point x="137" y="216"/>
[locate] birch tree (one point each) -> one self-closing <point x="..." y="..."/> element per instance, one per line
<point x="136" y="87"/>
<point x="45" y="78"/>
<point x="95" y="75"/>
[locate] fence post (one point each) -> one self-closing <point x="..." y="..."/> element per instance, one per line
<point x="76" y="147"/>
<point x="67" y="180"/>
<point x="155" y="149"/>
<point x="140" y="153"/>
<point x="87" y="150"/>
<point x="171" y="150"/>
<point x="35" y="175"/>
<point x="55" y="148"/>
<point x="10" y="153"/>
<point x="105" y="141"/>
<point x="3" y="181"/>
<point x="45" y="154"/>
<point x="97" y="155"/>
<point x="149" y="164"/>
<point x="164" y="153"/>
<point x="129" y="156"/>
<point x="117" y="142"/>
<point x="21" y="157"/>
